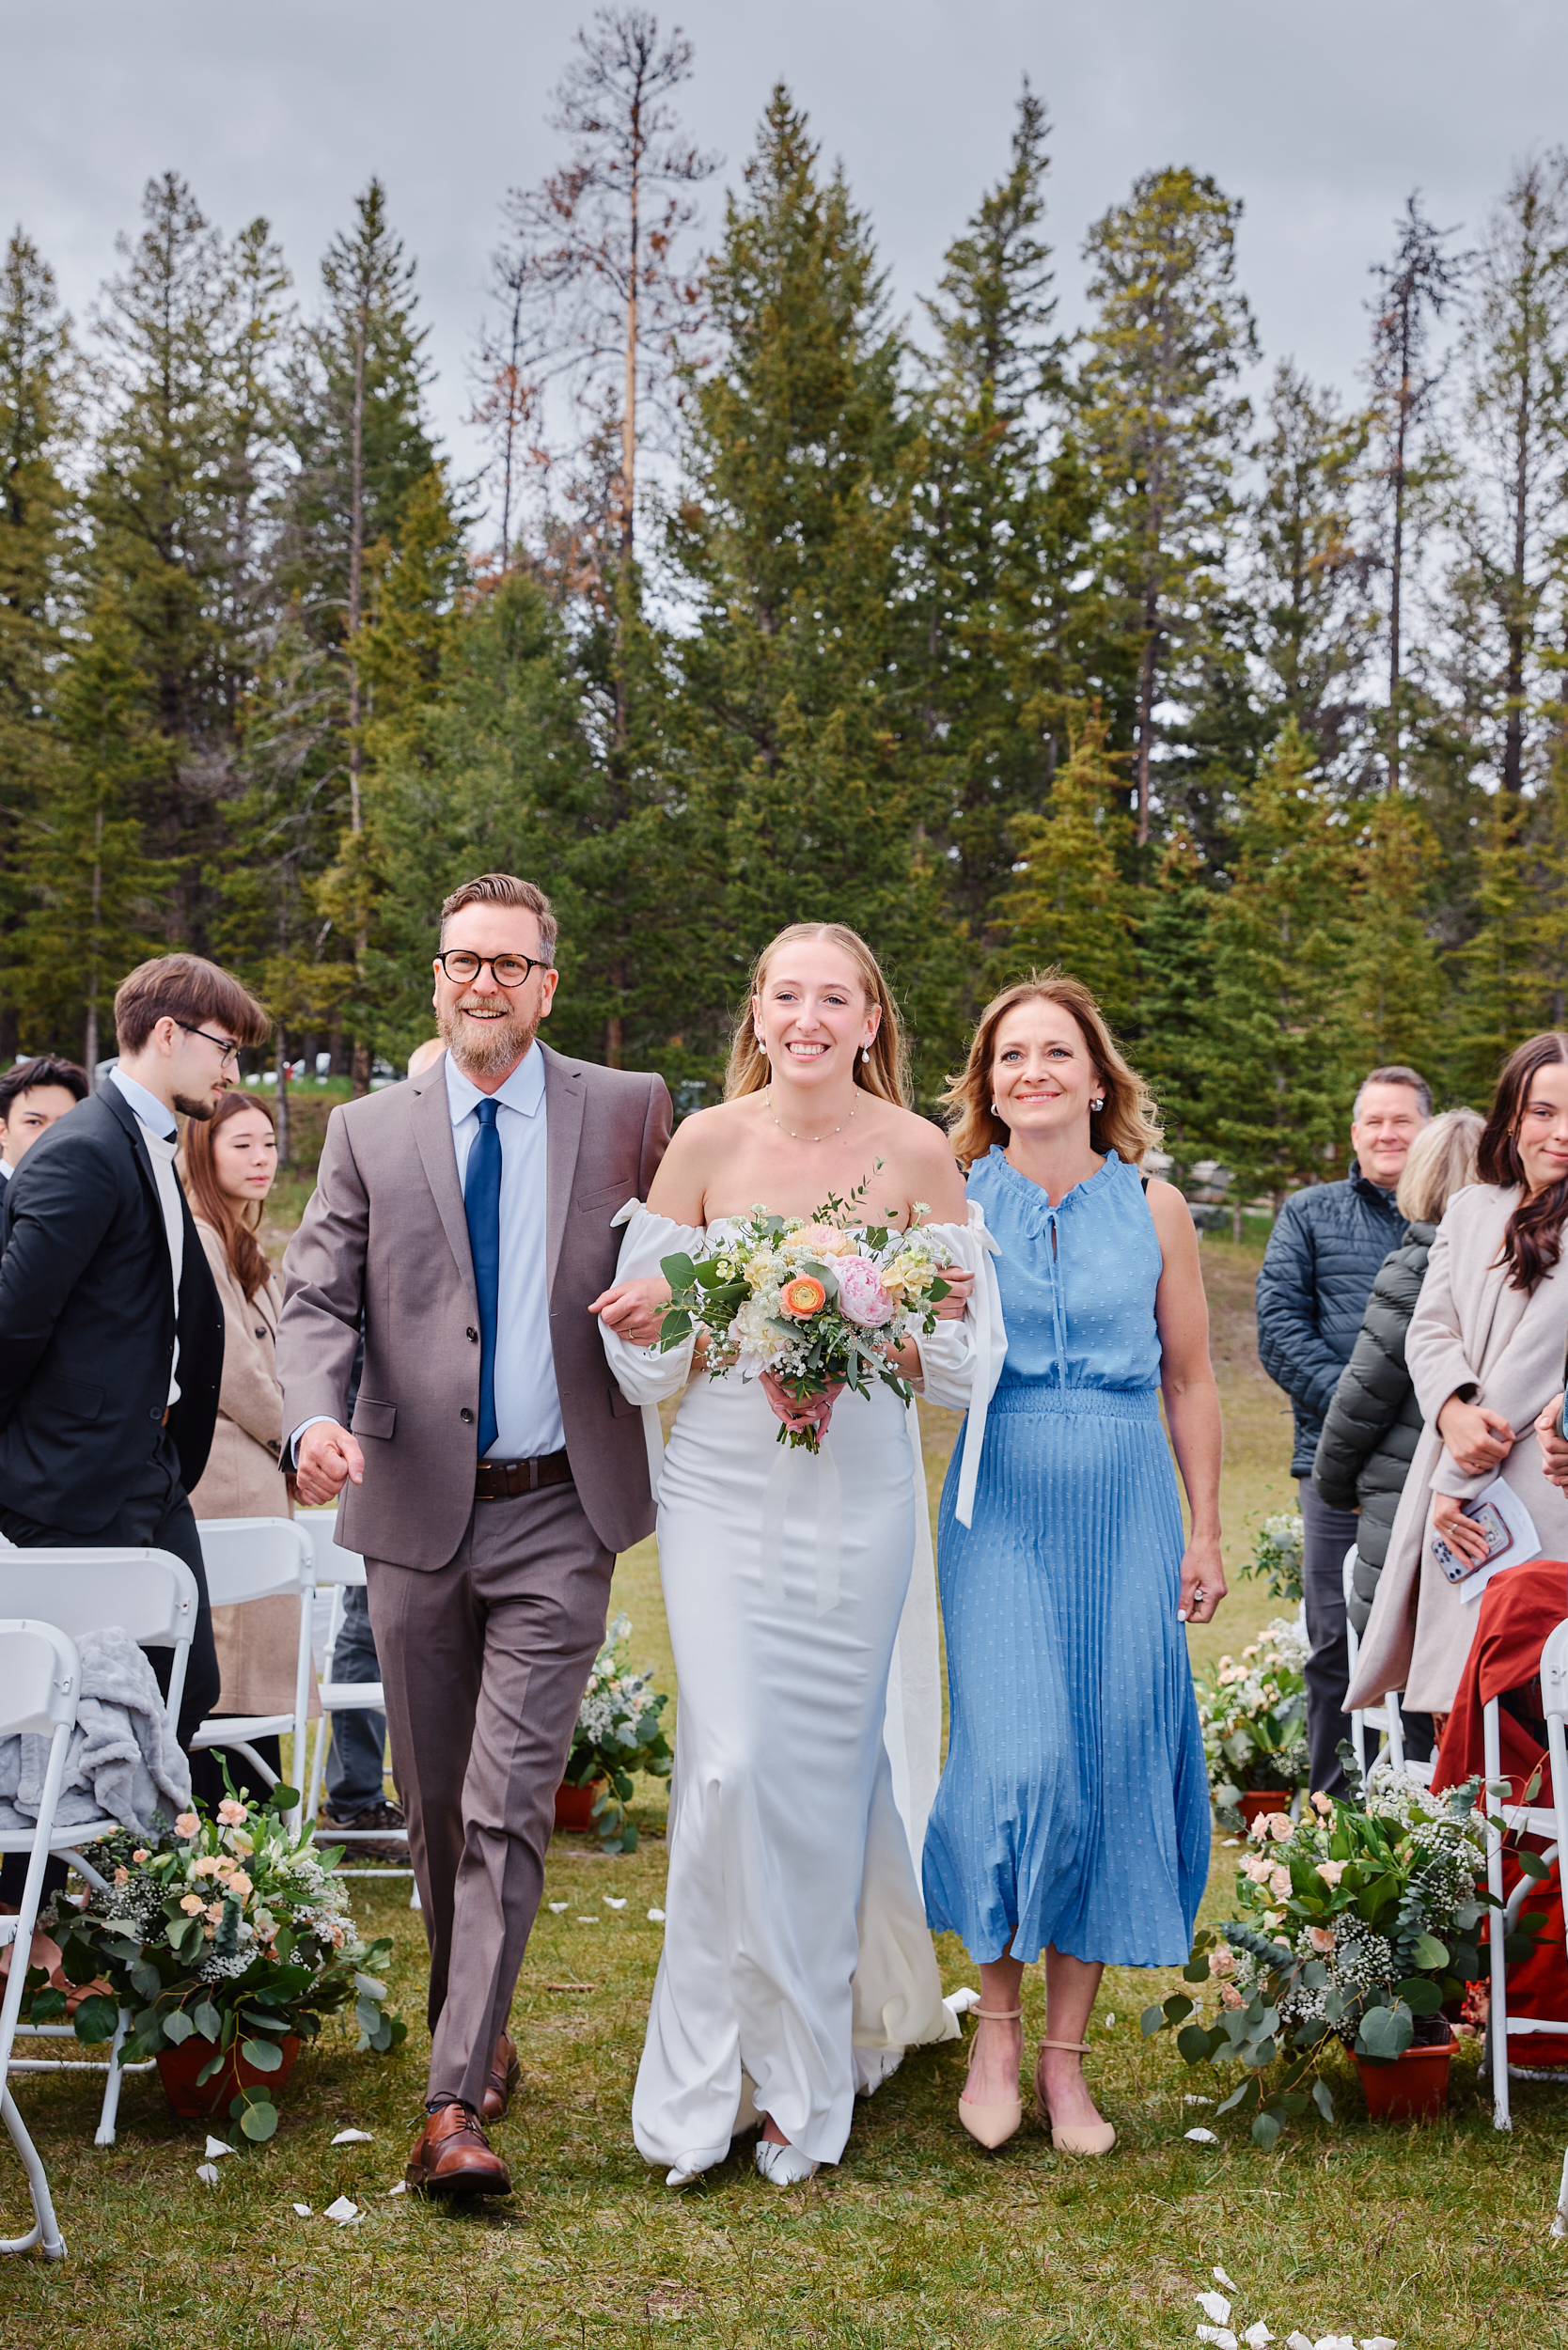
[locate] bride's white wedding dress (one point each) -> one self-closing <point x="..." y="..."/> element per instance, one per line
<point x="800" y="1594"/>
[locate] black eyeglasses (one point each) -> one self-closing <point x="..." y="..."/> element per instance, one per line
<point x="462" y="966"/>
<point x="229" y="1051"/>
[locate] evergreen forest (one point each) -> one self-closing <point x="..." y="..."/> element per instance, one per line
<point x="1242" y="696"/>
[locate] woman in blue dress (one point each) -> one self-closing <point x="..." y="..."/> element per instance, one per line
<point x="1073" y="1816"/>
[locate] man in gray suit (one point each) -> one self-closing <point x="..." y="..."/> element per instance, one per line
<point x="492" y="1470"/>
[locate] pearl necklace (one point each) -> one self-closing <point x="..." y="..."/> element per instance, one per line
<point x="794" y="1138"/>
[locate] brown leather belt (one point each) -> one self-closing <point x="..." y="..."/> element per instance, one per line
<point x="503" y="1480"/>
<point x="164" y="1421"/>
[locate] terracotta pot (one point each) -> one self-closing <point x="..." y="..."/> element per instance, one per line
<point x="1258" y="1802"/>
<point x="1413" y="2088"/>
<point x="575" y="1808"/>
<point x="178" y="2069"/>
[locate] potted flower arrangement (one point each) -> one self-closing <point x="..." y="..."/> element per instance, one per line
<point x="228" y="1938"/>
<point x="1253" y="1714"/>
<point x="1358" y="1923"/>
<point x="618" y="1732"/>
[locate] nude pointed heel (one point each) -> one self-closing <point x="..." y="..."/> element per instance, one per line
<point x="1084" y="2137"/>
<point x="992" y="2125"/>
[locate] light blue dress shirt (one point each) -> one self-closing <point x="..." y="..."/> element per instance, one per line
<point x="527" y="1402"/>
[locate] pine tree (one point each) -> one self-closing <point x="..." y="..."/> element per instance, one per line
<point x="165" y="569"/>
<point x="1309" y="576"/>
<point x="799" y="748"/>
<point x="38" y="423"/>
<point x="1069" y="902"/>
<point x="1392" y="984"/>
<point x="1163" y="426"/>
<point x="1416" y="287"/>
<point x="1275" y="1065"/>
<point x="1000" y="526"/>
<point x="362" y="449"/>
<point x="1505" y="995"/>
<point x="1168" y="1034"/>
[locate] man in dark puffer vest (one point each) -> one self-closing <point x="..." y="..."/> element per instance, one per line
<point x="1322" y="1259"/>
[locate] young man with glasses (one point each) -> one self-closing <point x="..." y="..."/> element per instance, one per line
<point x="111" y="1332"/>
<point x="491" y="1469"/>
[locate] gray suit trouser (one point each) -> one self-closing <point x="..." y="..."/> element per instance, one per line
<point x="485" y="1662"/>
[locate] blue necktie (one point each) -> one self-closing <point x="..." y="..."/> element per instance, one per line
<point x="481" y="1204"/>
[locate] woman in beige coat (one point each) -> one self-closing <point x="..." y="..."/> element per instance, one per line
<point x="1485" y="1352"/>
<point x="228" y="1165"/>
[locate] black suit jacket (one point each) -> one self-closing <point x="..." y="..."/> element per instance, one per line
<point x="87" y="1323"/>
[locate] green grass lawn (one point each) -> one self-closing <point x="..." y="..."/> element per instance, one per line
<point x="1435" y="2235"/>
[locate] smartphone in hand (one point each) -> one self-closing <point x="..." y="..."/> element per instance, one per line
<point x="1490" y="1519"/>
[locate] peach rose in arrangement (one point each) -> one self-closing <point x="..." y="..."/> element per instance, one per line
<point x="192" y="1903"/>
<point x="187" y="1824"/>
<point x="862" y="1298"/>
<point x="1279" y="1884"/>
<point x="1321" y="1938"/>
<point x="802" y="1297"/>
<point x="1280" y="1826"/>
<point x="1331" y="1871"/>
<point x="232" y="1812"/>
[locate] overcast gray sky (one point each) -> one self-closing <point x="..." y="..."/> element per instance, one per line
<point x="1321" y="118"/>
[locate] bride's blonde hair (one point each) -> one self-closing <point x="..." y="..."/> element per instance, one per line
<point x="885" y="1074"/>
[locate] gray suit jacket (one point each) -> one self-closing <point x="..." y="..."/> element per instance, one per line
<point x="385" y="1234"/>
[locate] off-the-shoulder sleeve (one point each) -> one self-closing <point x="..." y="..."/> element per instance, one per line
<point x="961" y="1361"/>
<point x="641" y="1372"/>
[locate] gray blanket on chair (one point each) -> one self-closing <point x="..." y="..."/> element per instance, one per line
<point x="122" y="1759"/>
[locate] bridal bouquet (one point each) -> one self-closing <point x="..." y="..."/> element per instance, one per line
<point x="816" y="1303"/>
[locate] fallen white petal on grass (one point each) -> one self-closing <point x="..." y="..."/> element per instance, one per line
<point x="1221" y="2336"/>
<point x="214" y="2147"/>
<point x="1379" y="2341"/>
<point x="1215" y="2308"/>
<point x="304" y="2210"/>
<point x="1232" y="1840"/>
<point x="1197" y="2100"/>
<point x="401" y="2188"/>
<point x="1221" y="2278"/>
<point x="1257" y="2337"/>
<point x="1335" y="2342"/>
<point x="610" y="1901"/>
<point x="556" y="1909"/>
<point x="1207" y="2138"/>
<point x="346" y="2213"/>
<point x="1298" y="2342"/>
<point x="656" y="1917"/>
<point x="353" y="2137"/>
<point x="1109" y="2021"/>
<point x="207" y="2171"/>
<point x="588" y="1921"/>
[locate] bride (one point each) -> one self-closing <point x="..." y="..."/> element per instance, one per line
<point x="797" y="1966"/>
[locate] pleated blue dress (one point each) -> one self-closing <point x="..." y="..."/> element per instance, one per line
<point x="1074" y="1806"/>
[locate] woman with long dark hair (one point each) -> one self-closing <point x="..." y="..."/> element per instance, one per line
<point x="227" y="1164"/>
<point x="1072" y="1818"/>
<point x="1484" y="1352"/>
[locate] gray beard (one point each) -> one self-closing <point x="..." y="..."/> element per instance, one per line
<point x="489" y="1051"/>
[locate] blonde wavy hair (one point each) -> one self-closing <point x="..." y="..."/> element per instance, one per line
<point x="885" y="1074"/>
<point x="1129" y="1123"/>
<point x="1441" y="1161"/>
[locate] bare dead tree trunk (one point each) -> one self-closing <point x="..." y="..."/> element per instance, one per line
<point x="95" y="974"/>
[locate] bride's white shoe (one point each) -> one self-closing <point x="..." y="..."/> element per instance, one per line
<point x="783" y="2166"/>
<point x="687" y="2169"/>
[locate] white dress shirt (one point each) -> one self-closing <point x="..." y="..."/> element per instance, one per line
<point x="160" y="1135"/>
<point x="527" y="1402"/>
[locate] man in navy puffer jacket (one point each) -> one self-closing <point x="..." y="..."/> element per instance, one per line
<point x="1322" y="1259"/>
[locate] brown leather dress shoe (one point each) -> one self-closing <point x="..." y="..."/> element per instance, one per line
<point x="505" y="2073"/>
<point x="452" y="2155"/>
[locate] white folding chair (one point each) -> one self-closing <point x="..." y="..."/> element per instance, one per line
<point x="151" y="1595"/>
<point x="40" y="1678"/>
<point x="341" y="1570"/>
<point x="1385" y="1719"/>
<point x="1523" y="1820"/>
<point x="249" y="1558"/>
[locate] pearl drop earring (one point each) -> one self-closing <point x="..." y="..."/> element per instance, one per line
<point x="865" y="1052"/>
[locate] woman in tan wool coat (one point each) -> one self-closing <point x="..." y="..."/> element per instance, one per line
<point x="1485" y="1352"/>
<point x="227" y="1166"/>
